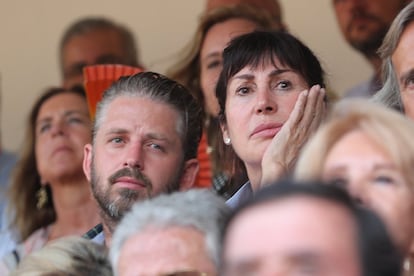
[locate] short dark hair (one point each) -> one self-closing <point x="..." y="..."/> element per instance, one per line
<point x="258" y="47"/>
<point x="88" y="24"/>
<point x="162" y="89"/>
<point x="377" y="252"/>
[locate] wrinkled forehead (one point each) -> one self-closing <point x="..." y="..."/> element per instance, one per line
<point x="112" y="107"/>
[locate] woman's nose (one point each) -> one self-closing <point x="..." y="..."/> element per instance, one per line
<point x="58" y="128"/>
<point x="358" y="193"/>
<point x="265" y="103"/>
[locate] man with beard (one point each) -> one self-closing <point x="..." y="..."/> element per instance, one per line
<point x="397" y="56"/>
<point x="364" y="25"/>
<point x="145" y="138"/>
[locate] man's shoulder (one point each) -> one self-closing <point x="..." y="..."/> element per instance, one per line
<point x="365" y="89"/>
<point x="96" y="234"/>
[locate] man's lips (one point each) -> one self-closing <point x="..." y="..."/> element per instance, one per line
<point x="129" y="182"/>
<point x="360" y="21"/>
<point x="266" y="130"/>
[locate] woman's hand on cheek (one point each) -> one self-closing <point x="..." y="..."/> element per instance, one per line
<point x="282" y="153"/>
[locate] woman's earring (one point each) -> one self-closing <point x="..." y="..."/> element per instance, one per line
<point x="41" y="196"/>
<point x="227" y="141"/>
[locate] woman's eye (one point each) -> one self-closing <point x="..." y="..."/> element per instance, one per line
<point x="283" y="85"/>
<point x="75" y="120"/>
<point x="382" y="179"/>
<point x="213" y="64"/>
<point x="338" y="182"/>
<point x="44" y="128"/>
<point x="242" y="90"/>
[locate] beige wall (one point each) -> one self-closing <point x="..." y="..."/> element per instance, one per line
<point x="30" y="33"/>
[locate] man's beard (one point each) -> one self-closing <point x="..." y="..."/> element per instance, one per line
<point x="114" y="206"/>
<point x="370" y="45"/>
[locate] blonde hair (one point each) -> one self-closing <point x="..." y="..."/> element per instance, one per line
<point x="66" y="256"/>
<point x="386" y="127"/>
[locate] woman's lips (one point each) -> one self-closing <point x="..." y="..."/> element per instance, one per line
<point x="266" y="130"/>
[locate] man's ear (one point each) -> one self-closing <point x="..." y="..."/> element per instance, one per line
<point x="87" y="161"/>
<point x="189" y="175"/>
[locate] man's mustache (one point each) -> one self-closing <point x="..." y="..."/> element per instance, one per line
<point x="133" y="173"/>
<point x="364" y="15"/>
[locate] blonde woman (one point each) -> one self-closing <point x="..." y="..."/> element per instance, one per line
<point x="368" y="150"/>
<point x="67" y="256"/>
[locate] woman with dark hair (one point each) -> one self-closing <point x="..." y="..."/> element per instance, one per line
<point x="198" y="69"/>
<point x="50" y="196"/>
<point x="272" y="98"/>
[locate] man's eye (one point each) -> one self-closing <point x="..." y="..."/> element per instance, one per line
<point x="156" y="146"/>
<point x="117" y="140"/>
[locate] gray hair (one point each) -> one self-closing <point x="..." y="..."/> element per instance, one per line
<point x="389" y="94"/>
<point x="67" y="256"/>
<point x="198" y="208"/>
<point x="89" y="24"/>
<point x="161" y="89"/>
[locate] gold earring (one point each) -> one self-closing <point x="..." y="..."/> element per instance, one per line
<point x="42" y="199"/>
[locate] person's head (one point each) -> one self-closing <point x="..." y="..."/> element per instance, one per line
<point x="365" y="23"/>
<point x="263" y="74"/>
<point x="67" y="256"/>
<point x="398" y="65"/>
<point x="170" y="233"/>
<point x="367" y="149"/>
<point x="314" y="229"/>
<point x="94" y="40"/>
<point x="271" y="6"/>
<point x="58" y="128"/>
<point x="201" y="62"/>
<point x="145" y="138"/>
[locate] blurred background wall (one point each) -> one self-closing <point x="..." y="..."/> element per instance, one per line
<point x="30" y="32"/>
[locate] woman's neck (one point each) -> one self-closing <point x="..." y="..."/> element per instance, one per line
<point x="76" y="210"/>
<point x="254" y="174"/>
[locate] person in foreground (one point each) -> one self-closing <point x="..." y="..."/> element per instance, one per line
<point x="50" y="196"/>
<point x="170" y="234"/>
<point x="66" y="257"/>
<point x="315" y="229"/>
<point x="145" y="138"/>
<point x="271" y="99"/>
<point x="367" y="149"/>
